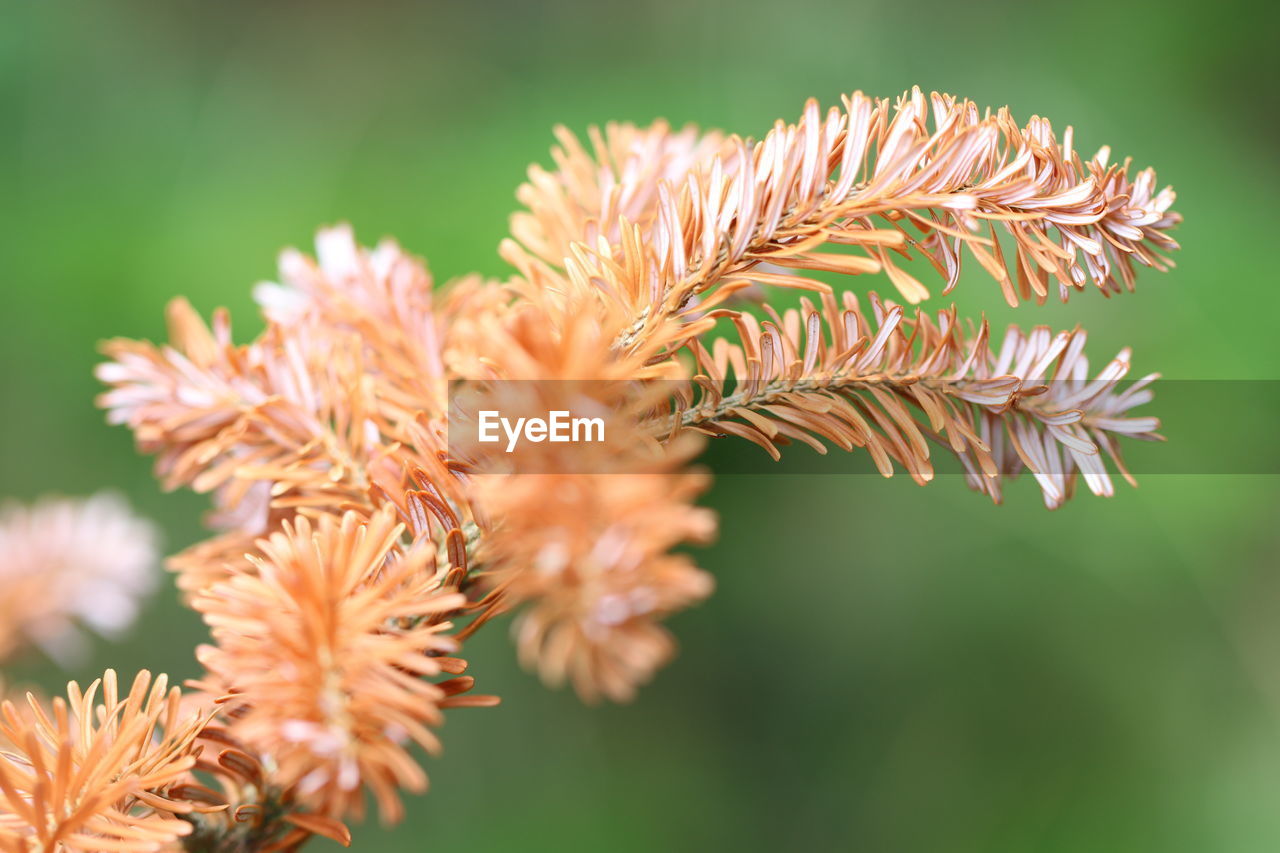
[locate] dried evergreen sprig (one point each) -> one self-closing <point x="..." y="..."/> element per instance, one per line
<point x="68" y="562"/>
<point x="97" y="771"/>
<point x="324" y="653"/>
<point x="329" y="409"/>
<point x="578" y="536"/>
<point x="353" y="531"/>
<point x="221" y="416"/>
<point x="874" y="176"/>
<point x="588" y="557"/>
<point x="906" y="383"/>
<point x="591" y="193"/>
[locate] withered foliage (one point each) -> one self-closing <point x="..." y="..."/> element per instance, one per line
<point x="98" y="770"/>
<point x="68" y="562"/>
<point x="356" y="547"/>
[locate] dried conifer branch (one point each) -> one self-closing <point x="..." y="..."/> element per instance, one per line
<point x="338" y="402"/>
<point x="354" y="624"/>
<point x="877" y="177"/>
<point x="360" y="542"/>
<point x="590" y="193"/>
<point x="588" y="554"/>
<point x="65" y="563"/>
<point x="895" y="388"/>
<point x="290" y="409"/>
<point x="96" y="774"/>
<point x="579" y="536"/>
<point x="383" y="296"/>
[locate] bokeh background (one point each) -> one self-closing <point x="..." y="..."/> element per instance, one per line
<point x="883" y="667"/>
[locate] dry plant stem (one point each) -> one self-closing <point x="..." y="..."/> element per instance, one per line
<point x="262" y="833"/>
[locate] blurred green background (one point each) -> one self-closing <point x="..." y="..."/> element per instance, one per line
<point x="883" y="667"/>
